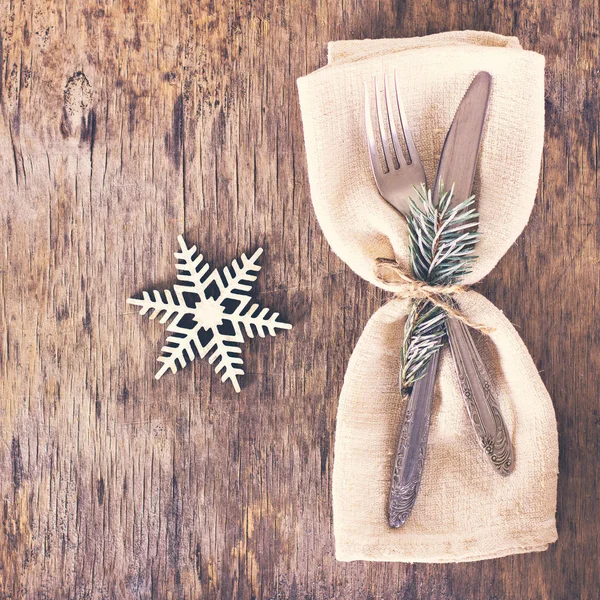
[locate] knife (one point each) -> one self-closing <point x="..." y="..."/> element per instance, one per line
<point x="457" y="167"/>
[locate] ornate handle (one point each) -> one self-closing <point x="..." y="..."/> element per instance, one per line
<point x="412" y="447"/>
<point x="479" y="397"/>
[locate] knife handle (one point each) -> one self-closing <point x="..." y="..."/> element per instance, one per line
<point x="412" y="447"/>
<point x="480" y="400"/>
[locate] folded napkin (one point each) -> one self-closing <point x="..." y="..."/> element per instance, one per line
<point x="465" y="511"/>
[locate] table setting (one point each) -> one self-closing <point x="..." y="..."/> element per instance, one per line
<point x="298" y="300"/>
<point x="465" y="455"/>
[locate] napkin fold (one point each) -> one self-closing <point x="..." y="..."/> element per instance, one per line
<point x="464" y="511"/>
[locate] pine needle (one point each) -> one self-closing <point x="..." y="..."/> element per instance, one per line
<point x="442" y="239"/>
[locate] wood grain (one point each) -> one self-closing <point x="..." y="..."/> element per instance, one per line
<point x="126" y="123"/>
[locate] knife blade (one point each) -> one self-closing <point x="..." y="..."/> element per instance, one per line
<point x="457" y="167"/>
<point x="458" y="160"/>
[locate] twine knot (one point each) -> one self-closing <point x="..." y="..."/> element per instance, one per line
<point x="388" y="271"/>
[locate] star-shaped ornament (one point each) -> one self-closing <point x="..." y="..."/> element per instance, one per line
<point x="209" y="313"/>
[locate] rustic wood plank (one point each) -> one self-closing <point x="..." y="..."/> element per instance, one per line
<point x="126" y="123"/>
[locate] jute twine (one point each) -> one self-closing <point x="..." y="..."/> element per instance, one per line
<point x="390" y="272"/>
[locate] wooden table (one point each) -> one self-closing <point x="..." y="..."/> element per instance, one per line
<point x="126" y="123"/>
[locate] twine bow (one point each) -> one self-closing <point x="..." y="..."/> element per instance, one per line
<point x="388" y="271"/>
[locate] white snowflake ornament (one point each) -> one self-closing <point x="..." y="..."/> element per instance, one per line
<point x="210" y="311"/>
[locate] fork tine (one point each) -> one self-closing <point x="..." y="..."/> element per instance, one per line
<point x="392" y="123"/>
<point x="389" y="161"/>
<point x="373" y="154"/>
<point x="410" y="145"/>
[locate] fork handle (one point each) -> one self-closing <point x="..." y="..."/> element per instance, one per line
<point x="480" y="400"/>
<point x="412" y="447"/>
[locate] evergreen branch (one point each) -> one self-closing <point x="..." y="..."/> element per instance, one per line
<point x="442" y="239"/>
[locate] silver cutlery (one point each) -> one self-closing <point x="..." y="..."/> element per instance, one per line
<point x="396" y="184"/>
<point x="457" y="167"/>
<point x="396" y="179"/>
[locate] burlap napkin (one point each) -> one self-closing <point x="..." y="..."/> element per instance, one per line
<point x="464" y="511"/>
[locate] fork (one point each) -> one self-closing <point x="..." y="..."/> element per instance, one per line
<point x="396" y="179"/>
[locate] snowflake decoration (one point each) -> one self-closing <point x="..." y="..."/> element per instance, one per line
<point x="209" y="322"/>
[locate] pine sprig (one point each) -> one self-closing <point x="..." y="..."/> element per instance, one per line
<point x="441" y="243"/>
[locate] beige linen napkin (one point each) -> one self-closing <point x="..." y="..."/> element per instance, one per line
<point x="464" y="511"/>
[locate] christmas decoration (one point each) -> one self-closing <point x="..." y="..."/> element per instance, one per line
<point x="209" y="313"/>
